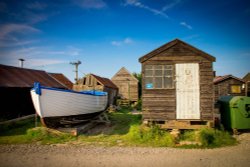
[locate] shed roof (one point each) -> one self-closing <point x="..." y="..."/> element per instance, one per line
<point x="124" y="70"/>
<point x="246" y="77"/>
<point x="62" y="79"/>
<point x="218" y="79"/>
<point x="171" y="44"/>
<point x="21" y="77"/>
<point x="105" y="81"/>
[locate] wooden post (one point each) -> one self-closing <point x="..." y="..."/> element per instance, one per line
<point x="128" y="90"/>
<point x="35" y="120"/>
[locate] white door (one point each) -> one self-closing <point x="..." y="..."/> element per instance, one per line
<point x="187" y="91"/>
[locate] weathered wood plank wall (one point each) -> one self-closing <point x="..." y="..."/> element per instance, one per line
<point x="160" y="104"/>
<point x="223" y="88"/>
<point x="127" y="84"/>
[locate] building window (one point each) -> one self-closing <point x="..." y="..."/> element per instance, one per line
<point x="235" y="89"/>
<point x="159" y="77"/>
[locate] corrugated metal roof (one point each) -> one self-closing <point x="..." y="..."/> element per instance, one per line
<point x="218" y="79"/>
<point x="62" y="79"/>
<point x="105" y="81"/>
<point x="21" y="77"/>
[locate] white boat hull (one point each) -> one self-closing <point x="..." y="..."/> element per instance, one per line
<point x="55" y="103"/>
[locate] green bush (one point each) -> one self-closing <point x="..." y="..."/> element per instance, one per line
<point x="215" y="138"/>
<point x="189" y="135"/>
<point x="153" y="136"/>
<point x="206" y="138"/>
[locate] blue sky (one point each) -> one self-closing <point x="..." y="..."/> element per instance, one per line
<point x="106" y="35"/>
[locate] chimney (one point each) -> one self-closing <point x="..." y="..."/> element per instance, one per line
<point x="21" y="62"/>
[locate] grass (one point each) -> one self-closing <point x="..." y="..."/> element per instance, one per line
<point x="18" y="128"/>
<point x="206" y="138"/>
<point x="125" y="130"/>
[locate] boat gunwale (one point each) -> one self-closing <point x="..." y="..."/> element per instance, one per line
<point x="92" y="93"/>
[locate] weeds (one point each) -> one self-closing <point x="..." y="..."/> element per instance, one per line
<point x="215" y="138"/>
<point x="149" y="136"/>
<point x="125" y="130"/>
<point x="48" y="136"/>
<point x="18" y="128"/>
<point x="207" y="138"/>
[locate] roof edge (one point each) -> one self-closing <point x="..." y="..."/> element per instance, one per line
<point x="170" y="44"/>
<point x="127" y="72"/>
<point x="227" y="77"/>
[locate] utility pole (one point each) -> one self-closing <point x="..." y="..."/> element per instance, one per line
<point x="76" y="64"/>
<point x="21" y="62"/>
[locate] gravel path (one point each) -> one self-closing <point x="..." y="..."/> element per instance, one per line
<point x="67" y="156"/>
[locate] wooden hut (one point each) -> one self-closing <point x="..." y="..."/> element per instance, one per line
<point x="15" y="86"/>
<point x="228" y="85"/>
<point x="246" y="79"/>
<point x="94" y="82"/>
<point x="177" y="86"/>
<point x="127" y="84"/>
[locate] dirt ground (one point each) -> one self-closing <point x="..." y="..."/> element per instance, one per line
<point x="92" y="156"/>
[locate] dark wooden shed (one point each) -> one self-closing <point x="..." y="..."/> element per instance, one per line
<point x="246" y="79"/>
<point x="94" y="82"/>
<point x="228" y="85"/>
<point x="15" y="85"/>
<point x="127" y="84"/>
<point x="177" y="86"/>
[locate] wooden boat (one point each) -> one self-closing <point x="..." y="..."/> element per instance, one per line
<point x="58" y="107"/>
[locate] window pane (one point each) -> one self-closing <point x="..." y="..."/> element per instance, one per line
<point x="168" y="67"/>
<point x="158" y="73"/>
<point x="235" y="89"/>
<point x="168" y="72"/>
<point x="158" y="67"/>
<point x="168" y="82"/>
<point x="148" y="67"/>
<point x="149" y="82"/>
<point x="148" y="72"/>
<point x="158" y="82"/>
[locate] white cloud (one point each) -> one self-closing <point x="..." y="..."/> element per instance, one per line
<point x="138" y="4"/>
<point x="170" y="5"/>
<point x="43" y="62"/>
<point x="119" y="43"/>
<point x="73" y="51"/>
<point x="11" y="43"/>
<point x="128" y="40"/>
<point x="7" y="29"/>
<point x="35" y="56"/>
<point x="186" y="25"/>
<point x="91" y="4"/>
<point x="9" y="34"/>
<point x="116" y="43"/>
